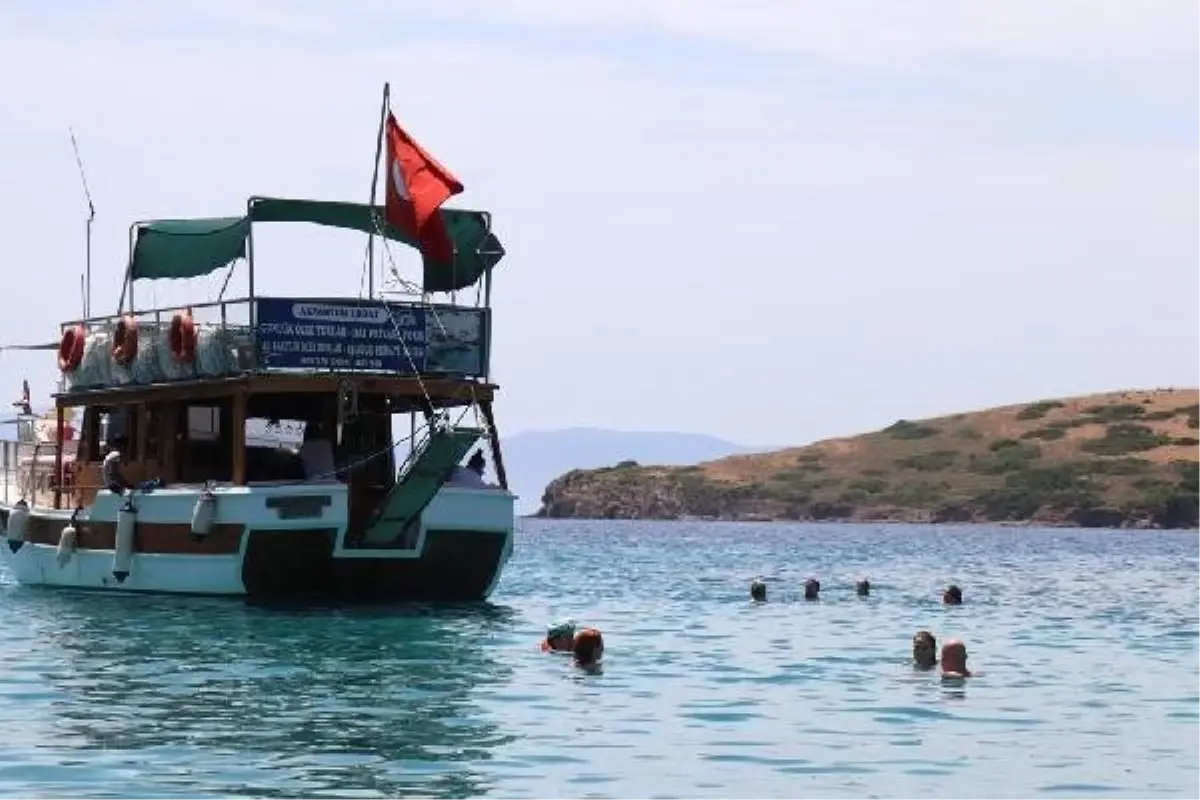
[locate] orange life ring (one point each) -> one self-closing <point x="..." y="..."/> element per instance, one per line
<point x="182" y="338"/>
<point x="125" y="340"/>
<point x="70" y="348"/>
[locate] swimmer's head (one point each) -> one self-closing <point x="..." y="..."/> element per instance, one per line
<point x="924" y="650"/>
<point x="589" y="647"/>
<point x="863" y="587"/>
<point x="758" y="591"/>
<point x="812" y="589"/>
<point x="954" y="658"/>
<point x="561" y="635"/>
<point x="952" y="596"/>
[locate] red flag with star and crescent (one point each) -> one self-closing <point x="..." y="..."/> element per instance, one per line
<point x="417" y="185"/>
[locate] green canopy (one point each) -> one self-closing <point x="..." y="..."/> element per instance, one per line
<point x="192" y="247"/>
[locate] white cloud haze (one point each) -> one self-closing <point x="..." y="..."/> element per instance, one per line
<point x="770" y="221"/>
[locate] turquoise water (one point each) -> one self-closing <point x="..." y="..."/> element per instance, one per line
<point x="1088" y="643"/>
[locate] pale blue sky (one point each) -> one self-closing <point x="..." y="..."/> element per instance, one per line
<point x="769" y="220"/>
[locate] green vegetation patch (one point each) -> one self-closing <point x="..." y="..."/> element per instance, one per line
<point x="1122" y="437"/>
<point x="1116" y="413"/>
<point x="934" y="461"/>
<point x="1048" y="433"/>
<point x="905" y="429"/>
<point x="1007" y="455"/>
<point x="1038" y="410"/>
<point x="868" y="485"/>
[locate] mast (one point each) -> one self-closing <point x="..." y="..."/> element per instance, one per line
<point x="87" y="277"/>
<point x="383" y="112"/>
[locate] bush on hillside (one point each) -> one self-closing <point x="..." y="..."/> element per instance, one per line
<point x="1038" y="410"/>
<point x="1047" y="433"/>
<point x="934" y="461"/>
<point x="1115" y="413"/>
<point x="1121" y="438"/>
<point x="868" y="485"/>
<point x="904" y="429"/>
<point x="1007" y="455"/>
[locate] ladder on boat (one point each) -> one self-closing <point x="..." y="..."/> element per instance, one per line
<point x="425" y="473"/>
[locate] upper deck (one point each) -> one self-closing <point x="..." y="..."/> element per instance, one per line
<point x="257" y="335"/>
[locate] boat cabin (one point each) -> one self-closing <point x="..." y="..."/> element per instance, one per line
<point x="256" y="429"/>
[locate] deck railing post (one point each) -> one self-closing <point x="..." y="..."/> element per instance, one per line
<point x="250" y="280"/>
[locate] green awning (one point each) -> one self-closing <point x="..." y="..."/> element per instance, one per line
<point x="186" y="248"/>
<point x="189" y="248"/>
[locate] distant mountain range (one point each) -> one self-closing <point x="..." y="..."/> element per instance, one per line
<point x="534" y="458"/>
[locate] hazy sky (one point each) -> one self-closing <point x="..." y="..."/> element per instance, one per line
<point x="770" y="220"/>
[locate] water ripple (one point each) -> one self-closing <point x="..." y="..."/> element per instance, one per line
<point x="1089" y="644"/>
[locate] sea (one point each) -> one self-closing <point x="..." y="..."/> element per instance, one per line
<point x="1086" y="644"/>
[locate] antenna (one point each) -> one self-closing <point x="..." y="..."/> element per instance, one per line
<point x="87" y="279"/>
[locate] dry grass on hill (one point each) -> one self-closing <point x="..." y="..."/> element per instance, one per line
<point x="1123" y="453"/>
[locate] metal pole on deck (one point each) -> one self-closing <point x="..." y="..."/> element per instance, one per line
<point x="383" y="112"/>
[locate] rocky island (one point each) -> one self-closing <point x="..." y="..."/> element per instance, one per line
<point x="1121" y="459"/>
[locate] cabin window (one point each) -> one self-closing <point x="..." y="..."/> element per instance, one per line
<point x="272" y="449"/>
<point x="204" y="443"/>
<point x="204" y="423"/>
<point x="117" y="422"/>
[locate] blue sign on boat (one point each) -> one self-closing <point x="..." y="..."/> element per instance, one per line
<point x="370" y="336"/>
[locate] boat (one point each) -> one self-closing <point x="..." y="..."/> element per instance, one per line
<point x="381" y="399"/>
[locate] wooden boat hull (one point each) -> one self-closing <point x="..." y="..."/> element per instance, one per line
<point x="271" y="542"/>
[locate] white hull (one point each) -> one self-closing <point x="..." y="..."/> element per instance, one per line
<point x="465" y="523"/>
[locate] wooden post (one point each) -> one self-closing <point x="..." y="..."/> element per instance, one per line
<point x="239" y="438"/>
<point x="58" y="460"/>
<point x="494" y="438"/>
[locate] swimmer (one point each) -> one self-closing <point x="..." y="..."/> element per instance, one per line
<point x="952" y="596"/>
<point x="589" y="648"/>
<point x="863" y="588"/>
<point x="954" y="660"/>
<point x="924" y="650"/>
<point x="812" y="589"/>
<point x="758" y="591"/>
<point x="560" y="637"/>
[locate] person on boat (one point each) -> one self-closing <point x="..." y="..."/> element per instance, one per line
<point x="316" y="453"/>
<point x="812" y="589"/>
<point x="588" y="648"/>
<point x="952" y="596"/>
<point x="110" y="470"/>
<point x="560" y="637"/>
<point x="863" y="587"/>
<point x="758" y="591"/>
<point x="470" y="476"/>
<point x="954" y="660"/>
<point x="924" y="650"/>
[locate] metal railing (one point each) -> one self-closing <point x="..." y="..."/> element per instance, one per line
<point x="228" y="343"/>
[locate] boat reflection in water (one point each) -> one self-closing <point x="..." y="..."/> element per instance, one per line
<point x="205" y="696"/>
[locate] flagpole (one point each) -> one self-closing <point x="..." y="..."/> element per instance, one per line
<point x="383" y="112"/>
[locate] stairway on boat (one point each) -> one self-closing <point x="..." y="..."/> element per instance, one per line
<point x="426" y="473"/>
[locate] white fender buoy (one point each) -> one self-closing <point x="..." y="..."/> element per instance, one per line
<point x="66" y="544"/>
<point x="18" y="522"/>
<point x="204" y="514"/>
<point x="123" y="547"/>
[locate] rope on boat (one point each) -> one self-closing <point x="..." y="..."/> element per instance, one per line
<point x="391" y="261"/>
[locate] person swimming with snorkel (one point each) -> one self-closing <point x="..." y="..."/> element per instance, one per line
<point x="560" y="637"/>
<point x="589" y="649"/>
